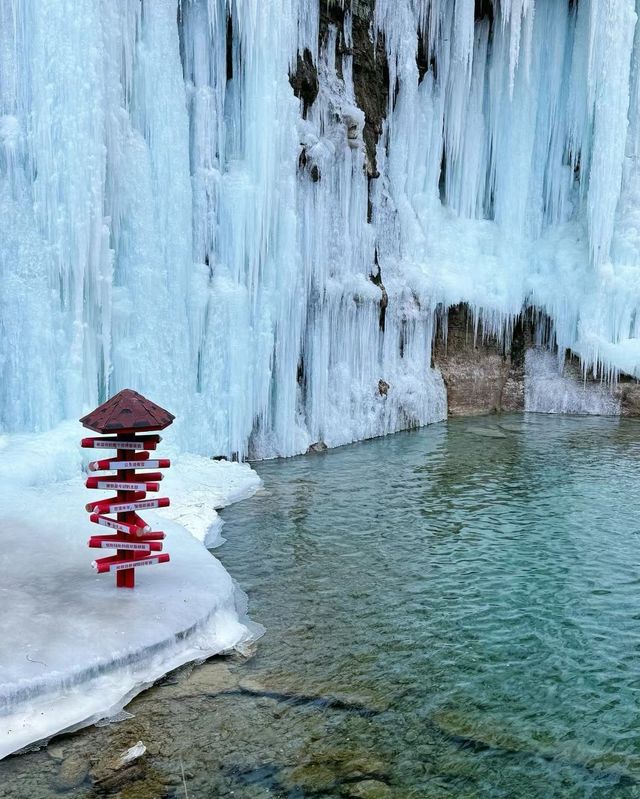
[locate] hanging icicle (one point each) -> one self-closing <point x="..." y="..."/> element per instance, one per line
<point x="172" y="215"/>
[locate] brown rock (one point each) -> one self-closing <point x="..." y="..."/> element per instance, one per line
<point x="304" y="81"/>
<point x="369" y="789"/>
<point x="481" y="375"/>
<point x="629" y="393"/>
<point x="319" y="446"/>
<point x="73" y="772"/>
<point x="370" y="78"/>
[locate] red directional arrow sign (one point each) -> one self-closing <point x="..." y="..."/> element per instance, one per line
<point x="127" y="419"/>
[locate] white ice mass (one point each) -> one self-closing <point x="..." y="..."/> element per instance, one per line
<point x="73" y="648"/>
<point x="157" y="232"/>
<point x="550" y="388"/>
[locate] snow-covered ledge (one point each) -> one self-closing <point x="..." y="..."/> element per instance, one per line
<point x="74" y="649"/>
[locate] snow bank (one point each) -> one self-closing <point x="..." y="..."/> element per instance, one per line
<point x="73" y="648"/>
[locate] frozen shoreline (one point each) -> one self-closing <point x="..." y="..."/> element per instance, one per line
<point x="74" y="649"/>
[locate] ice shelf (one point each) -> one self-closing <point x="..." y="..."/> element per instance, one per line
<point x="74" y="649"/>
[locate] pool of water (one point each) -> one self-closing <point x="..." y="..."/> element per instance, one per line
<point x="483" y="579"/>
<point x="450" y="612"/>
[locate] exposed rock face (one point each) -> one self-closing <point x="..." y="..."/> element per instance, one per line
<point x="370" y="70"/>
<point x="370" y="77"/>
<point x="319" y="446"/>
<point x="304" y="81"/>
<point x="484" y="375"/>
<point x="481" y="375"/>
<point x="629" y="392"/>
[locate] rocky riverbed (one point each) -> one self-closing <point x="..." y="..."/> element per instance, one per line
<point x="210" y="730"/>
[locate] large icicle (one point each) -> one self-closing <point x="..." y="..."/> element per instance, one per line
<point x="528" y="154"/>
<point x="172" y="220"/>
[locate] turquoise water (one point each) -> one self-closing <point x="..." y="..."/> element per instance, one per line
<point x="451" y="613"/>
<point x="479" y="582"/>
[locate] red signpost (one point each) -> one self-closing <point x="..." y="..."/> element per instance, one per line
<point x="128" y="417"/>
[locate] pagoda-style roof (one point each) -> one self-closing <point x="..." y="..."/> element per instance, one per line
<point x="127" y="412"/>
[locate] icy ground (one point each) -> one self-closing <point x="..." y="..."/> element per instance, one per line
<point x="73" y="649"/>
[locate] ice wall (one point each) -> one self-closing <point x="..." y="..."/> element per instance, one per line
<point x="171" y="220"/>
<point x="512" y="163"/>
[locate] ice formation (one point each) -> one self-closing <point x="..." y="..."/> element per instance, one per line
<point x="73" y="648"/>
<point x="549" y="387"/>
<point x="160" y="229"/>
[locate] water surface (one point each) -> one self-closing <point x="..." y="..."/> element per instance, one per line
<point x="482" y="579"/>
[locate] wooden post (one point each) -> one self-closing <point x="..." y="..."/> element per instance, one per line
<point x="125" y="578"/>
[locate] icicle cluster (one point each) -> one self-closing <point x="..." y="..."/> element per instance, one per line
<point x="172" y="219"/>
<point x="513" y="164"/>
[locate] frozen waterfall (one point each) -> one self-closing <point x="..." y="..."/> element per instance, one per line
<point x="173" y="219"/>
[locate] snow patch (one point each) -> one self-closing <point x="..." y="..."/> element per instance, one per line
<point x="75" y="649"/>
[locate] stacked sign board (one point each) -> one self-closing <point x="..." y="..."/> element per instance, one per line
<point x="134" y="542"/>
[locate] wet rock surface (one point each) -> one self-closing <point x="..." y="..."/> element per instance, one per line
<point x="481" y="374"/>
<point x="216" y="727"/>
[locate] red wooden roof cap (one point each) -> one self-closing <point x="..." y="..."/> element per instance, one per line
<point x="127" y="412"/>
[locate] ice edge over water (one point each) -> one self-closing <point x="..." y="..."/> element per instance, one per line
<point x="74" y="649"/>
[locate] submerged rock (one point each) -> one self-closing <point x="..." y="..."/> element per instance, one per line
<point x="214" y="676"/>
<point x="478" y="735"/>
<point x="511" y="428"/>
<point x="353" y="772"/>
<point x="488" y="432"/>
<point x="113" y="772"/>
<point x="55" y="751"/>
<point x="73" y="772"/>
<point x="312" y="777"/>
<point x="369" y="789"/>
